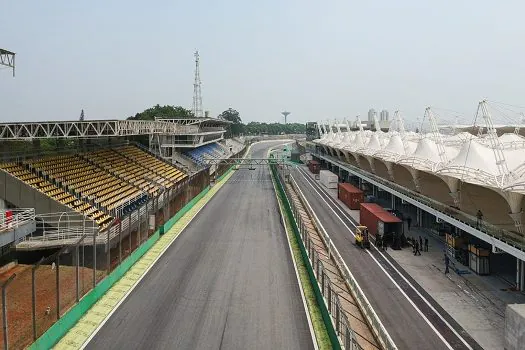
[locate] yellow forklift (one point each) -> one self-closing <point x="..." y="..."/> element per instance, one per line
<point x="361" y="237"/>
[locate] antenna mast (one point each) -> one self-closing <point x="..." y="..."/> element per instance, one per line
<point x="197" y="97"/>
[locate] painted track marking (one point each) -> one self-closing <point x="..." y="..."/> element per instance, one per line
<point x="389" y="276"/>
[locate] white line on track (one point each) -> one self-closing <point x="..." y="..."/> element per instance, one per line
<point x="149" y="268"/>
<point x="346" y="267"/>
<point x="302" y="171"/>
<point x="390" y="277"/>
<point x="305" y="305"/>
<point x="138" y="281"/>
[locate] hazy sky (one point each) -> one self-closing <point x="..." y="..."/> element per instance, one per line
<point x="317" y="59"/>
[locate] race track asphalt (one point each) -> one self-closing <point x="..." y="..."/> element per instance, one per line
<point x="410" y="321"/>
<point x="226" y="282"/>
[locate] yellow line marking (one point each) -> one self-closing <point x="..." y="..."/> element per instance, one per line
<point x="78" y="335"/>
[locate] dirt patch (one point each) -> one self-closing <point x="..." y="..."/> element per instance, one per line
<point x="19" y="299"/>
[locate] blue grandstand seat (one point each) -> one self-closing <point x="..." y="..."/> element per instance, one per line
<point x="211" y="150"/>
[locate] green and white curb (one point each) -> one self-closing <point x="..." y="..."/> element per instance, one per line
<point x="96" y="317"/>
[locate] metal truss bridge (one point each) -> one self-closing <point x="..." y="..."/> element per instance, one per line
<point x="7" y="58"/>
<point x="86" y="129"/>
<point x="251" y="162"/>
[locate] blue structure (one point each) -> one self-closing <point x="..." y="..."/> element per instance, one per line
<point x="212" y="150"/>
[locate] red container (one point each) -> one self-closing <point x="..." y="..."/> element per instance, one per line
<point x="314" y="167"/>
<point x="372" y="214"/>
<point x="350" y="195"/>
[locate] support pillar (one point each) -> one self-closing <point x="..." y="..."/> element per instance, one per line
<point x="347" y="156"/>
<point x="357" y="160"/>
<point x="520" y="275"/>
<point x="415" y="178"/>
<point x="419" y="216"/>
<point x="372" y="164"/>
<point x="360" y="183"/>
<point x="393" y="201"/>
<point x="516" y="217"/>
<point x="514" y="201"/>
<point x="453" y="186"/>
<point x="390" y="169"/>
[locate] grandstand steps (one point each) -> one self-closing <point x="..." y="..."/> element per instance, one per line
<point x="102" y="185"/>
<point x="19" y="193"/>
<point x="138" y="164"/>
<point x="185" y="162"/>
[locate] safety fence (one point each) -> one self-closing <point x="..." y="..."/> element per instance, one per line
<point x="341" y="323"/>
<point x="326" y="295"/>
<point x="36" y="295"/>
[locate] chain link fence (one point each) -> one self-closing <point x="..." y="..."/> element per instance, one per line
<point x="346" y="335"/>
<point x="364" y="305"/>
<point x="36" y="295"/>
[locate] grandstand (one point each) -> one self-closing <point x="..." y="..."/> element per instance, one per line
<point x="105" y="181"/>
<point x="81" y="195"/>
<point x="204" y="138"/>
<point x="212" y="150"/>
<point x="102" y="184"/>
<point x="457" y="175"/>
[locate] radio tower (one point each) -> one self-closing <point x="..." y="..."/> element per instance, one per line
<point x="197" y="98"/>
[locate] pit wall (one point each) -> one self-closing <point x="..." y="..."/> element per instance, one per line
<point x="318" y="295"/>
<point x="68" y="320"/>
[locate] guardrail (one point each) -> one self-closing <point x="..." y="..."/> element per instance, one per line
<point x="364" y="305"/>
<point x="43" y="293"/>
<point x="346" y="335"/>
<point x="17" y="217"/>
<point x="506" y="236"/>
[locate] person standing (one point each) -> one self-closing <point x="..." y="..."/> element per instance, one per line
<point x="426" y="244"/>
<point x="416" y="251"/>
<point x="447" y="262"/>
<point x="420" y="243"/>
<point x="409" y="223"/>
<point x="479" y="217"/>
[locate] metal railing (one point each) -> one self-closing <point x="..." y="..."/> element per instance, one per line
<point x="41" y="293"/>
<point x="340" y="322"/>
<point x="19" y="216"/>
<point x="347" y="335"/>
<point x="509" y="237"/>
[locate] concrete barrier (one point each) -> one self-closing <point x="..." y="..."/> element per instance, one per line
<point x="515" y="327"/>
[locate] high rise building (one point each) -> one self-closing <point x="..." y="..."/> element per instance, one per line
<point x="371" y="113"/>
<point x="383" y="116"/>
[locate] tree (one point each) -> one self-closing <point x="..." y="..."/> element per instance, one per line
<point x="233" y="116"/>
<point x="175" y="112"/>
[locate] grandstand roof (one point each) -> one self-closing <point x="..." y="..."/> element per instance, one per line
<point x="194" y="121"/>
<point x="466" y="157"/>
<point x="86" y="129"/>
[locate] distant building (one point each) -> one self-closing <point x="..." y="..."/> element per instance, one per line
<point x="383" y="116"/>
<point x="371" y="113"/>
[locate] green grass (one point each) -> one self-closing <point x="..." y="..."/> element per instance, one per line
<point x="323" y="340"/>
